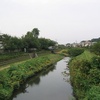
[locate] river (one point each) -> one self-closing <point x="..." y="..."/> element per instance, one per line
<point x="51" y="84"/>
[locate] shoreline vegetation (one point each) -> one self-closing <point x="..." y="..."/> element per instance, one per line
<point x="9" y="58"/>
<point x="85" y="76"/>
<point x="84" y="69"/>
<point x="11" y="78"/>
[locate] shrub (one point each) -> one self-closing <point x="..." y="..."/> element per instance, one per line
<point x="96" y="48"/>
<point x="85" y="76"/>
<point x="75" y="51"/>
<point x="95" y="62"/>
<point x="93" y="93"/>
<point x="94" y="76"/>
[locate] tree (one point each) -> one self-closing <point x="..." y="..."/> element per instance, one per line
<point x="11" y="43"/>
<point x="29" y="34"/>
<point x="75" y="51"/>
<point x="6" y="41"/>
<point x="35" y="32"/>
<point x="45" y="43"/>
<point x="96" y="48"/>
<point x="30" y="42"/>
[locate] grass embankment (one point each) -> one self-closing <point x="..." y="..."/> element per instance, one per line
<point x="6" y="59"/>
<point x="85" y="56"/>
<point x="9" y="58"/>
<point x="16" y="74"/>
<point x="85" y="76"/>
<point x="63" y="52"/>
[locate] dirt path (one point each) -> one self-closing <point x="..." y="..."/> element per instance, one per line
<point x="5" y="67"/>
<point x="2" y="68"/>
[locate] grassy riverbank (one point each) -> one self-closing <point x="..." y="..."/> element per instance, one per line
<point x="9" y="58"/>
<point x="16" y="74"/>
<point x="85" y="76"/>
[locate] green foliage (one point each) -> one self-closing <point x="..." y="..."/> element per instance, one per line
<point x="93" y="93"/>
<point x="96" y="40"/>
<point x="4" y="94"/>
<point x="86" y="55"/>
<point x="45" y="43"/>
<point x="63" y="52"/>
<point x="84" y="67"/>
<point x="8" y="56"/>
<point x="85" y="76"/>
<point x="96" y="48"/>
<point x="94" y="76"/>
<point x="12" y="77"/>
<point x="61" y="46"/>
<point x="75" y="51"/>
<point x="11" y="43"/>
<point x="35" y="32"/>
<point x="96" y="62"/>
<point x="29" y="41"/>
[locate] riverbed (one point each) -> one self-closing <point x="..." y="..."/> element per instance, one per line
<point x="51" y="84"/>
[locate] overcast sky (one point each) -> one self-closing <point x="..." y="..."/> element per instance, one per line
<point x="65" y="21"/>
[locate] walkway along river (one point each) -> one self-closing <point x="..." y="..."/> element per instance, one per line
<point x="51" y="84"/>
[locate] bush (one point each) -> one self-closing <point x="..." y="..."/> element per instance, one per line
<point x="8" y="56"/>
<point x="94" y="76"/>
<point x="85" y="76"/>
<point x="93" y="93"/>
<point x="95" y="62"/>
<point x="75" y="51"/>
<point x="96" y="48"/>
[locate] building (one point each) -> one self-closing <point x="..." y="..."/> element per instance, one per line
<point x="86" y="43"/>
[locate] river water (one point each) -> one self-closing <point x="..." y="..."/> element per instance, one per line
<point x="50" y="84"/>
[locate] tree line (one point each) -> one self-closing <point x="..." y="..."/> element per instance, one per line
<point x="28" y="41"/>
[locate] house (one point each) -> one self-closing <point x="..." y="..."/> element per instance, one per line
<point x="86" y="43"/>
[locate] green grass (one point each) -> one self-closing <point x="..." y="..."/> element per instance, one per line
<point x="86" y="55"/>
<point x="16" y="74"/>
<point x="85" y="76"/>
<point x="11" y="58"/>
<point x="8" y="56"/>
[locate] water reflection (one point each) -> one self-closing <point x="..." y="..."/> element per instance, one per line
<point x="35" y="80"/>
<point x="50" y="84"/>
<point x="66" y="76"/>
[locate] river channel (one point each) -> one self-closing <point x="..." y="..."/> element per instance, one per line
<point x="51" y="84"/>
